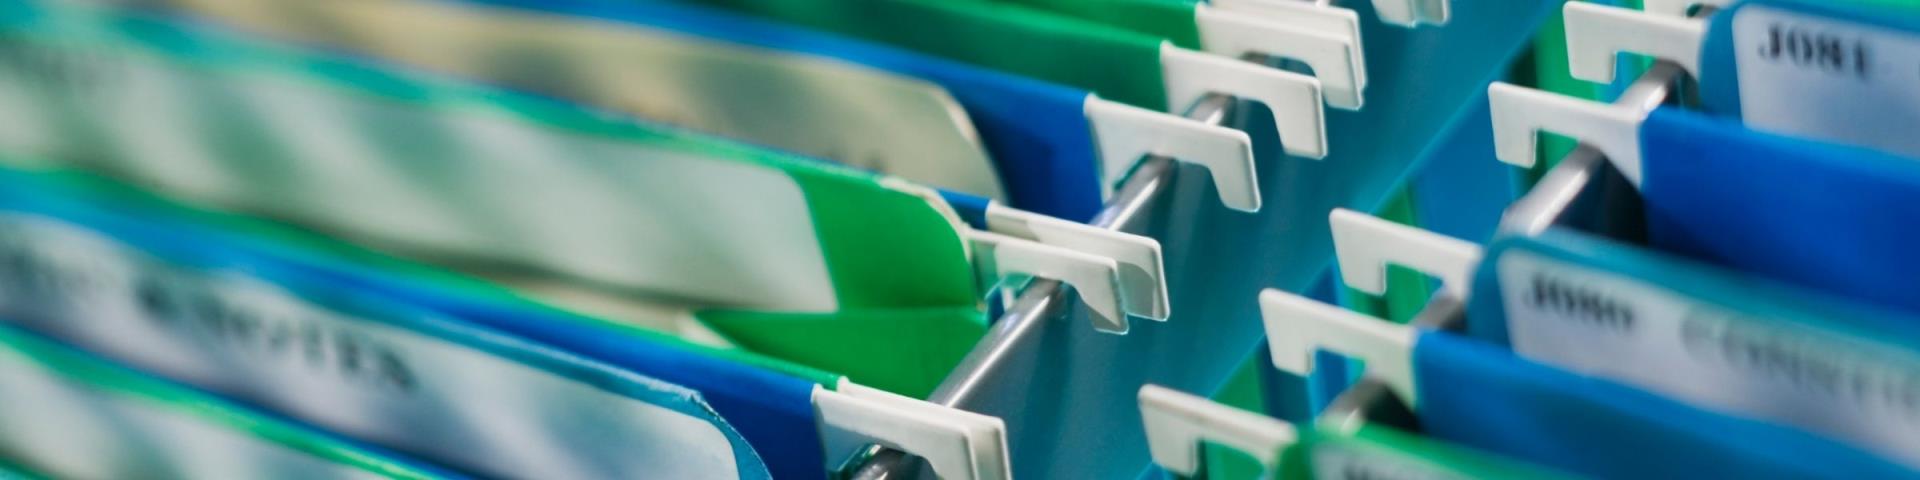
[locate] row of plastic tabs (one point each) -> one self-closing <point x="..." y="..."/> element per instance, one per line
<point x="1240" y="39"/>
<point x="1718" y="295"/>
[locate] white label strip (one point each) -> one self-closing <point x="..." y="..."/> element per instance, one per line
<point x="812" y="105"/>
<point x="445" y="401"/>
<point x="1828" y="79"/>
<point x="460" y="180"/>
<point x="1613" y="326"/>
<point x="74" y="431"/>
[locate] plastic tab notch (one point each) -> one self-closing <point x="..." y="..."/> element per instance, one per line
<point x="1299" y="327"/>
<point x="1096" y="279"/>
<point x="1294" y="99"/>
<point x="1335" y="58"/>
<point x="1143" y="281"/>
<point x="1364" y="245"/>
<point x="1597" y="34"/>
<point x="1520" y="113"/>
<point x="1125" y="134"/>
<point x="1177" y="422"/>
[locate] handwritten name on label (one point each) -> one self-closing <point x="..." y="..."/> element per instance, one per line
<point x="1828" y="78"/>
<point x="434" y="396"/>
<point x="61" y="284"/>
<point x="1844" y="386"/>
<point x="1830" y="52"/>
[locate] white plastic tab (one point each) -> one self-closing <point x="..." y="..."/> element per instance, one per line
<point x="1597" y="34"/>
<point x="1298" y="327"/>
<point x="1313" y="17"/>
<point x="1143" y="282"/>
<point x="1679" y="8"/>
<point x="1334" y="58"/>
<point x="1294" y="99"/>
<point x="1519" y="113"/>
<point x="1411" y="13"/>
<point x="1095" y="278"/>
<point x="1177" y="422"/>
<point x="1364" y="245"/>
<point x="959" y="445"/>
<point x="1125" y="134"/>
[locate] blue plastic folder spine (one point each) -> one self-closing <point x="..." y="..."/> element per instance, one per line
<point x="1772" y="205"/>
<point x="203" y="250"/>
<point x="1482" y="396"/>
<point x="1036" y="132"/>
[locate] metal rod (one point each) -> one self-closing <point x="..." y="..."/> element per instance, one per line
<point x="1556" y="200"/>
<point x="1042" y="301"/>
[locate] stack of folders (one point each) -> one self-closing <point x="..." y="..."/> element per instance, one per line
<point x="960" y="239"/>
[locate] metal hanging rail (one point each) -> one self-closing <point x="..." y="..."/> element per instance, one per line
<point x="1038" y="308"/>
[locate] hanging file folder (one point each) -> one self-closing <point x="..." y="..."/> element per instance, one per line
<point x="811" y="105"/>
<point x="1753" y="201"/>
<point x="77" y="416"/>
<point x="1041" y="137"/>
<point x="403" y="162"/>
<point x="1129" y="67"/>
<point x="1479" y="395"/>
<point x="1707" y="337"/>
<point x="799" y="421"/>
<point x="1703" y="336"/>
<point x="217" y="314"/>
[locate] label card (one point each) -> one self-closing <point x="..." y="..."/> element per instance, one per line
<point x="467" y="399"/>
<point x="1611" y="325"/>
<point x="1828" y="78"/>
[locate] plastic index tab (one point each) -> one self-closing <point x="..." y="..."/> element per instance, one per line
<point x="1597" y="34"/>
<point x="1095" y="278"/>
<point x="1364" y="245"/>
<point x="1520" y="113"/>
<point x="1334" y="58"/>
<point x="958" y="444"/>
<point x="1143" y="282"/>
<point x="1177" y="423"/>
<point x="1298" y="327"/>
<point x="1294" y="99"/>
<point x="1126" y="133"/>
<point x="1317" y="18"/>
